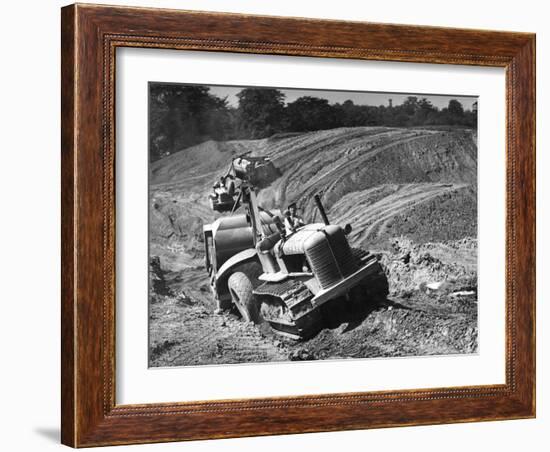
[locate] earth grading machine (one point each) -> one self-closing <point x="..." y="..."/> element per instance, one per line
<point x="290" y="280"/>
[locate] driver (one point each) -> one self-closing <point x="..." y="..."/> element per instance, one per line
<point x="219" y="187"/>
<point x="292" y="221"/>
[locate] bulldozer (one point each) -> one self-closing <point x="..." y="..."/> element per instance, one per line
<point x="288" y="280"/>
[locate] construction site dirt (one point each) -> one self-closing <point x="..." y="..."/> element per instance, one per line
<point x="410" y="195"/>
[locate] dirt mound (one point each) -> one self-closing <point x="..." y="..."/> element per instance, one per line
<point x="340" y="161"/>
<point x="196" y="161"/>
<point x="423" y="212"/>
<point x="428" y="172"/>
<point x="449" y="216"/>
<point x="172" y="218"/>
<point x="435" y="268"/>
<point x="410" y="196"/>
<point x="398" y="330"/>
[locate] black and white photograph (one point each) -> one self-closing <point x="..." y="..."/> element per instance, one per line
<point x="299" y="225"/>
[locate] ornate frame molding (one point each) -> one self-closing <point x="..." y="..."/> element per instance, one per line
<point x="90" y="37"/>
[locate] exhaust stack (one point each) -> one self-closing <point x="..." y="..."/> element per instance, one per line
<point x="317" y="199"/>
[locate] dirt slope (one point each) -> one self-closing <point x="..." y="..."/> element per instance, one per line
<point x="333" y="162"/>
<point x="409" y="194"/>
<point x="422" y="211"/>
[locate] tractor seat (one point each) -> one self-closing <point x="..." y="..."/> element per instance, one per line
<point x="269" y="242"/>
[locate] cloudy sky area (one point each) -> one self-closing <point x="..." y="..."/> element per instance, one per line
<point x="359" y="98"/>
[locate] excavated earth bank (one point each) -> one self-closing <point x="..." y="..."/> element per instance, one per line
<point x="410" y="196"/>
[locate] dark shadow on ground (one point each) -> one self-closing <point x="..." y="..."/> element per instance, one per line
<point x="353" y="313"/>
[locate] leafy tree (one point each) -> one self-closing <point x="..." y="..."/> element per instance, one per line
<point x="260" y="112"/>
<point x="470" y="118"/>
<point x="310" y="113"/>
<point x="350" y="115"/>
<point x="401" y="119"/>
<point x="410" y="105"/>
<point x="423" y="111"/>
<point x="454" y="113"/>
<point x="455" y="108"/>
<point x="182" y="116"/>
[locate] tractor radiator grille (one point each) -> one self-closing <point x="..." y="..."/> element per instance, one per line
<point x="342" y="251"/>
<point x="331" y="259"/>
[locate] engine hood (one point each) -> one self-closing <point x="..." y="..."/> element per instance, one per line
<point x="304" y="238"/>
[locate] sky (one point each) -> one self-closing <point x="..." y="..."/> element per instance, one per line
<point x="358" y="98"/>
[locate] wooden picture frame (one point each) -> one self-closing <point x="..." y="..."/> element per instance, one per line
<point x="90" y="36"/>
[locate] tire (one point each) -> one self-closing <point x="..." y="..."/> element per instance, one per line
<point x="240" y="288"/>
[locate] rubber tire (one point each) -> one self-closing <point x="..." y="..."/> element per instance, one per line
<point x="244" y="300"/>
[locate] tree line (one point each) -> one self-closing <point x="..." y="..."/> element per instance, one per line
<point x="184" y="115"/>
